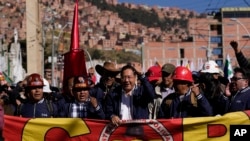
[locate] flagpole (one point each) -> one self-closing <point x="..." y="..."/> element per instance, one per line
<point x="52" y="56"/>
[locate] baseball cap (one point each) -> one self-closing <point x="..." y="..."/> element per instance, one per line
<point x="168" y="68"/>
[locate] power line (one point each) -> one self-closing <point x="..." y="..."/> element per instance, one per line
<point x="246" y="2"/>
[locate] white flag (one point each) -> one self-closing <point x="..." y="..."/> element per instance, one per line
<point x="228" y="70"/>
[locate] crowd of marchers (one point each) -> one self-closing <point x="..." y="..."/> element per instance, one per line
<point x="163" y="92"/>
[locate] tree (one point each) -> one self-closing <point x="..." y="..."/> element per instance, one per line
<point x="96" y="54"/>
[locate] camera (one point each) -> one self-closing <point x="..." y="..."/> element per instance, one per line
<point x="5" y="99"/>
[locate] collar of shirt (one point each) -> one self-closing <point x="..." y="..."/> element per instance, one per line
<point x="244" y="89"/>
<point x="168" y="89"/>
<point x="79" y="103"/>
<point x="41" y="101"/>
<point x="130" y="93"/>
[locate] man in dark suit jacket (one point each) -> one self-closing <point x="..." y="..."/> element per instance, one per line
<point x="129" y="101"/>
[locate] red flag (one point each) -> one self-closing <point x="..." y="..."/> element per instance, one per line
<point x="74" y="60"/>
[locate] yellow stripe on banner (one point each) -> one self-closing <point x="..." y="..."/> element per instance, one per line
<point x="74" y="127"/>
<point x="197" y="129"/>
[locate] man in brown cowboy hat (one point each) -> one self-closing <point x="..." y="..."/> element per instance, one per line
<point x="108" y="81"/>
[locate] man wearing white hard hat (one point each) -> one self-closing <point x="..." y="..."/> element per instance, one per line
<point x="46" y="89"/>
<point x="211" y="67"/>
<point x="51" y="93"/>
<point x="213" y="87"/>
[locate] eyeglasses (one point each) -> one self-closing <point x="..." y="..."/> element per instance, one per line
<point x="127" y="77"/>
<point x="236" y="78"/>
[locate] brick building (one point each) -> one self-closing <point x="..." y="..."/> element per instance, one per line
<point x="209" y="39"/>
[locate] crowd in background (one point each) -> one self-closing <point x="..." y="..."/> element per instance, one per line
<point x="163" y="92"/>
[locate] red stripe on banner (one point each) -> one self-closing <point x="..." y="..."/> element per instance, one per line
<point x="75" y="129"/>
<point x="216" y="130"/>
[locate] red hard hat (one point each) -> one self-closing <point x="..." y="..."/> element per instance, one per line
<point x="154" y="73"/>
<point x="183" y="74"/>
<point x="81" y="82"/>
<point x="35" y="80"/>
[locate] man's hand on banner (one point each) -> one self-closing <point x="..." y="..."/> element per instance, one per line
<point x="115" y="120"/>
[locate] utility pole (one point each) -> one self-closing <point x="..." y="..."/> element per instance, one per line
<point x="209" y="51"/>
<point x="33" y="37"/>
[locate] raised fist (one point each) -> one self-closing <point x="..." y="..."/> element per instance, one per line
<point x="234" y="45"/>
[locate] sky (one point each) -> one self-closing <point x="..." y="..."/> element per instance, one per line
<point x="200" y="6"/>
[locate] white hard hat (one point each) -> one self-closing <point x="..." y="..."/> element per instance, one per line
<point x="210" y="67"/>
<point x="46" y="87"/>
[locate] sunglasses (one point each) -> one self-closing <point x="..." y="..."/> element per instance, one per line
<point x="109" y="74"/>
<point x="80" y="89"/>
<point x="165" y="74"/>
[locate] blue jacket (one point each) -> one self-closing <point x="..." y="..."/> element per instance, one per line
<point x="240" y="101"/>
<point x="99" y="95"/>
<point x="41" y="109"/>
<point x="142" y="95"/>
<point x="185" y="108"/>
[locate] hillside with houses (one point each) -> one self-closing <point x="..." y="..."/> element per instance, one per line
<point x="107" y="26"/>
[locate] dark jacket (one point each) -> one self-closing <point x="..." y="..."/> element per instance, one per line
<point x="240" y="101"/>
<point x="105" y="89"/>
<point x="98" y="94"/>
<point x="172" y="107"/>
<point x="141" y="96"/>
<point x="219" y="104"/>
<point x="100" y="91"/>
<point x="41" y="109"/>
<point x="243" y="62"/>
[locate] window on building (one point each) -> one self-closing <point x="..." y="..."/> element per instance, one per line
<point x="216" y="27"/>
<point x="182" y="53"/>
<point x="228" y="14"/>
<point x="213" y="27"/>
<point x="215" y="39"/>
<point x="220" y="63"/>
<point x="217" y="51"/>
<point x="236" y="14"/>
<point x="241" y="14"/>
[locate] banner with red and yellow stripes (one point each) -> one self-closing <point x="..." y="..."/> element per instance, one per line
<point x="75" y="129"/>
